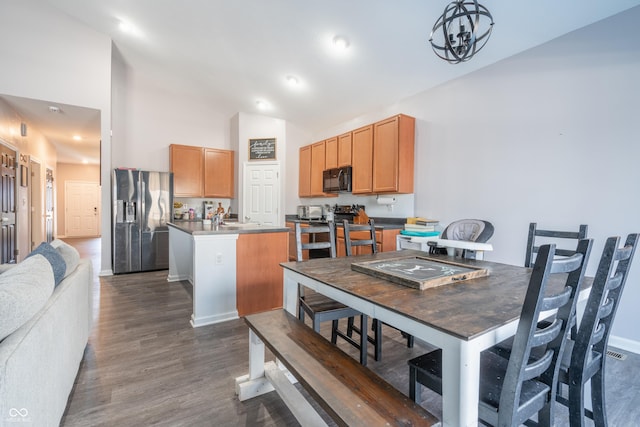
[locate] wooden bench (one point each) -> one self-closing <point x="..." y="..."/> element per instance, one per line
<point x="349" y="392"/>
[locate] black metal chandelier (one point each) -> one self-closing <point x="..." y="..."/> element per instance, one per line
<point x="462" y="30"/>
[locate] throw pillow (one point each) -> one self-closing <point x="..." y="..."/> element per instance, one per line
<point x="55" y="259"/>
<point x="24" y="290"/>
<point x="69" y="254"/>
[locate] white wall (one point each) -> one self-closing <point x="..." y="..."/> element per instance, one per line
<point x="48" y="56"/>
<point x="550" y="135"/>
<point x="150" y="118"/>
<point x="244" y="127"/>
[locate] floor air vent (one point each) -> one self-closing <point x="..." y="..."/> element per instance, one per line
<point x="616" y="355"/>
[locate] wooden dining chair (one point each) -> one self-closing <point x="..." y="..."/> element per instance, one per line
<point x="371" y="247"/>
<point x="318" y="307"/>
<point x="514" y="390"/>
<point x="551" y="236"/>
<point x="585" y="356"/>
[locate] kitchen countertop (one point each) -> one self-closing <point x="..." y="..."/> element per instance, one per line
<point x="198" y="228"/>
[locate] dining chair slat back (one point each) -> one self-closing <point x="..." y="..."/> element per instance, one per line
<point x="585" y="356"/>
<point x="349" y="243"/>
<point x="550" y="236"/>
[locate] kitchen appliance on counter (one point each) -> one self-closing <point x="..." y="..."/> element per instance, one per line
<point x="337" y="180"/>
<point x="142" y="207"/>
<point x="348" y="212"/>
<point x="310" y="212"/>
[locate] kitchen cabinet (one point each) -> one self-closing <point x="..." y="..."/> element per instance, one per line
<point x="344" y="149"/>
<point x="385" y="241"/>
<point x="218" y="173"/>
<point x="331" y="153"/>
<point x="312" y="164"/>
<point x="318" y="153"/>
<point x="362" y="160"/>
<point x="258" y="271"/>
<point x="187" y="166"/>
<point x="201" y="171"/>
<point x="304" y="177"/>
<point x="393" y="146"/>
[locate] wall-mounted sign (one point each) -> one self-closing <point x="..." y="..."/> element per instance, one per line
<point x="262" y="149"/>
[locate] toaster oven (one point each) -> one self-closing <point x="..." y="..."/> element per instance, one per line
<point x="310" y="212"/>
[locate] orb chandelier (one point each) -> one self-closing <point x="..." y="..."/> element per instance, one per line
<point x="462" y="30"/>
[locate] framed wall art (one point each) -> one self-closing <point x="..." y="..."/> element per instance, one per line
<point x="262" y="149"/>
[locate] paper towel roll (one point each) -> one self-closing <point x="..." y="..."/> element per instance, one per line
<point x="386" y="200"/>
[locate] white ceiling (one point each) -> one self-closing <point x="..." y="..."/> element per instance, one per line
<point x="236" y="52"/>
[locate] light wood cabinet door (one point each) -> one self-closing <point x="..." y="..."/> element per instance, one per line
<point x="186" y="163"/>
<point x="304" y="176"/>
<point x="362" y="160"/>
<point x="393" y="145"/>
<point x="344" y="149"/>
<point x="258" y="272"/>
<point x="218" y="173"/>
<point x="318" y="154"/>
<point x="331" y="153"/>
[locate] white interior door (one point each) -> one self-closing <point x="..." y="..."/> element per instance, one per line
<point x="82" y="202"/>
<point x="261" y="193"/>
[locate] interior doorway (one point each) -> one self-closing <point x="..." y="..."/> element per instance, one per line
<point x="261" y="200"/>
<point x="8" y="166"/>
<point x="48" y="205"/>
<point x="36" y="210"/>
<point x="82" y="202"/>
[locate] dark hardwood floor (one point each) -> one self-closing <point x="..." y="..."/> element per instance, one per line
<point x="145" y="365"/>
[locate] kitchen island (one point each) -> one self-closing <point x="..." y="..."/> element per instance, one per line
<point x="234" y="268"/>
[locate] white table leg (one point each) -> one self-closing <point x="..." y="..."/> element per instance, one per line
<point x="290" y="294"/>
<point x="460" y="382"/>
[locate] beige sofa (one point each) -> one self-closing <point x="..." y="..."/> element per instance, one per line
<point x="39" y="361"/>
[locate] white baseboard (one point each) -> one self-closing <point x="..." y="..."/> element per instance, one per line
<point x="624" y="344"/>
<point x="107" y="272"/>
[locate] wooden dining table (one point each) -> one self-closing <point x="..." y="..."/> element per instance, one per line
<point x="462" y="318"/>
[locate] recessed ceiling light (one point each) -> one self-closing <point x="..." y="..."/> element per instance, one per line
<point x="341" y="42"/>
<point x="125" y="27"/>
<point x="53" y="109"/>
<point x="292" y="81"/>
<point x="262" y="105"/>
<point x="85" y="161"/>
<point x="77" y="138"/>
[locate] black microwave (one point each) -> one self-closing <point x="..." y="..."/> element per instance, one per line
<point x="337" y="180"/>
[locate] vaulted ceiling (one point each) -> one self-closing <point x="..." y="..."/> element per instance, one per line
<point x="237" y="53"/>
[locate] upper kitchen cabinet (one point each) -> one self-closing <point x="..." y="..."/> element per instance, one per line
<point x="201" y="172"/>
<point x="318" y="154"/>
<point x="218" y="173"/>
<point x="344" y="149"/>
<point x="362" y="160"/>
<point x="304" y="176"/>
<point x="312" y="164"/>
<point x="393" y="145"/>
<point x="331" y="153"/>
<point x="187" y="166"/>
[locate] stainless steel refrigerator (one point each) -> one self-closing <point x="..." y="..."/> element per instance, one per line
<point x="142" y="207"/>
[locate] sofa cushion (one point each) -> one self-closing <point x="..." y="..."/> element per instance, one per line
<point x="69" y="254"/>
<point x="24" y="290"/>
<point x="55" y="259"/>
